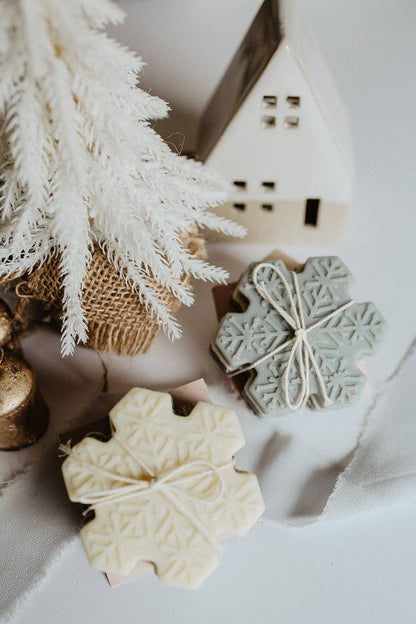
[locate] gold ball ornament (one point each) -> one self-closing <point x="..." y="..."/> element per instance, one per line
<point x="24" y="415"/>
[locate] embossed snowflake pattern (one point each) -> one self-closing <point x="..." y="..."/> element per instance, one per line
<point x="337" y="343"/>
<point x="273" y="395"/>
<point x="327" y="279"/>
<point x="176" y="526"/>
<point x="244" y="337"/>
<point x="343" y="385"/>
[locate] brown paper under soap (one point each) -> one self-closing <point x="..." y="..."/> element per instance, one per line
<point x="184" y="399"/>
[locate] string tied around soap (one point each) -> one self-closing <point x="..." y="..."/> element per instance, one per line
<point x="300" y="348"/>
<point x="166" y="483"/>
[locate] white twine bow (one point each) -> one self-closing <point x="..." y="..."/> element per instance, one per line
<point x="301" y="350"/>
<point x="167" y="484"/>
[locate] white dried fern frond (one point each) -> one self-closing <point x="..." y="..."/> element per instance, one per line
<point x="80" y="164"/>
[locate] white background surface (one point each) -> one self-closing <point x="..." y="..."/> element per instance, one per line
<point x="360" y="570"/>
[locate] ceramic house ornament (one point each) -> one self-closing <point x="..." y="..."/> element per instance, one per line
<point x="277" y="130"/>
<point x="163" y="489"/>
<point x="299" y="336"/>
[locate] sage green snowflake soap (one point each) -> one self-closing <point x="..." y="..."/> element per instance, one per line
<point x="163" y="489"/>
<point x="299" y="335"/>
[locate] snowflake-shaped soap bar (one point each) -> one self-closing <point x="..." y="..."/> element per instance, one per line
<point x="163" y="488"/>
<point x="299" y="335"/>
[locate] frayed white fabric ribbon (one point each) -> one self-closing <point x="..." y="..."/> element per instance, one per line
<point x="166" y="484"/>
<point x="301" y="350"/>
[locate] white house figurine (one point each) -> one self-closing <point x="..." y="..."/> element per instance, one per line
<point x="277" y="129"/>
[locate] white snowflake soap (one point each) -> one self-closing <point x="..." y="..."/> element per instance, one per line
<point x="163" y="488"/>
<point x="298" y="336"/>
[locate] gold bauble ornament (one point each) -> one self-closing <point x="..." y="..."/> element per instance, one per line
<point x="23" y="413"/>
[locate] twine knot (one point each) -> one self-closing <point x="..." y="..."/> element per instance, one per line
<point x="301" y="334"/>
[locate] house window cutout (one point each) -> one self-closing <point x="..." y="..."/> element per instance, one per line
<point x="268" y="121"/>
<point x="293" y="101"/>
<point x="267" y="207"/>
<point x="311" y="212"/>
<point x="268" y="186"/>
<point x="240" y="206"/>
<point x="291" y="121"/>
<point x="240" y="184"/>
<point x="269" y="101"/>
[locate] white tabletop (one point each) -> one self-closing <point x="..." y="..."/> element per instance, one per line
<point x="359" y="570"/>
